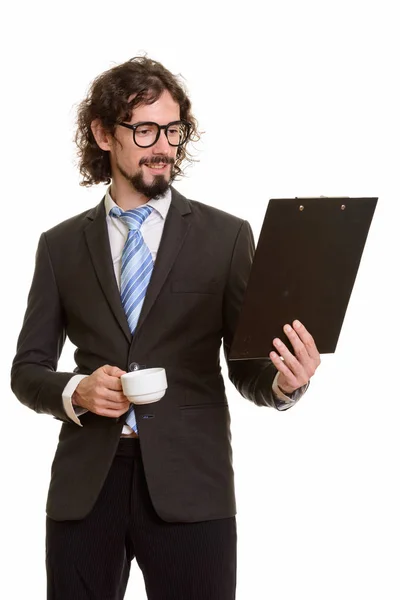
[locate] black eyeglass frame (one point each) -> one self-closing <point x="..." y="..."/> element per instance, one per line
<point x="160" y="127"/>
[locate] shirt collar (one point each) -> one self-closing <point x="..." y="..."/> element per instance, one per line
<point x="161" y="204"/>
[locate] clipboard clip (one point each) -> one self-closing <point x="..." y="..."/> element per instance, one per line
<point x="301" y="207"/>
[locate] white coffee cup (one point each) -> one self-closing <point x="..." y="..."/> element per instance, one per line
<point x="145" y="385"/>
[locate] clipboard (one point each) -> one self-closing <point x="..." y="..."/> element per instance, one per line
<point x="304" y="267"/>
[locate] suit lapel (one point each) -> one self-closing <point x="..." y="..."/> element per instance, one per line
<point x="99" y="248"/>
<point x="174" y="233"/>
<point x="176" y="227"/>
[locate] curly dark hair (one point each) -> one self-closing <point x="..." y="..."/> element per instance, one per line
<point x="107" y="100"/>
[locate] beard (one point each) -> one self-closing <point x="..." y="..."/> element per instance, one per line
<point x="159" y="185"/>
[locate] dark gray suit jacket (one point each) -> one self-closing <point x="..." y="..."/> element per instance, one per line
<point x="192" y="303"/>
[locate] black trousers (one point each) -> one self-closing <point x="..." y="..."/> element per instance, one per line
<point x="90" y="559"/>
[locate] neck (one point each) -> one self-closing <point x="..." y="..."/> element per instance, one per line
<point x="125" y="195"/>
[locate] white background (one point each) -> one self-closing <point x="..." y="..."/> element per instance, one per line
<point x="295" y="99"/>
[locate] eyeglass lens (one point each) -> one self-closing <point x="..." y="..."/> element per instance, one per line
<point x="146" y="134"/>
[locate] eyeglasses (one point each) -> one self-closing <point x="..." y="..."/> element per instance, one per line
<point x="146" y="133"/>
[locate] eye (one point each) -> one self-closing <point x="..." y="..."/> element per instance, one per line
<point x="145" y="130"/>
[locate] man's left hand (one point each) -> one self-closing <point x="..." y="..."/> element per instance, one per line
<point x="295" y="370"/>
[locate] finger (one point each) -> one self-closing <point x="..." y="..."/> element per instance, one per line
<point x="108" y="412"/>
<point x="113" y="371"/>
<point x="112" y="383"/>
<point x="115" y="397"/>
<point x="282" y="368"/>
<point x="104" y="404"/>
<point x="299" y="348"/>
<point x="307" y="340"/>
<point x="291" y="361"/>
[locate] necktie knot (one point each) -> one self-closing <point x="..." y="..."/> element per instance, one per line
<point x="133" y="218"/>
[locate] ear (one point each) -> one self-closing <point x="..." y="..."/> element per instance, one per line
<point x="102" y="137"/>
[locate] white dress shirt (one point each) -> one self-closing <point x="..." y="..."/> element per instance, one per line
<point x="151" y="230"/>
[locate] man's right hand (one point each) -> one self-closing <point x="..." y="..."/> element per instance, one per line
<point x="101" y="393"/>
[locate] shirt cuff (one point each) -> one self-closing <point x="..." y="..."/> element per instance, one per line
<point x="73" y="411"/>
<point x="283" y="401"/>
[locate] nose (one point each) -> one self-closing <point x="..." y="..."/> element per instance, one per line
<point x="161" y="146"/>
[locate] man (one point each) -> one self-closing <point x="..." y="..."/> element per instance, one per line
<point x="147" y="278"/>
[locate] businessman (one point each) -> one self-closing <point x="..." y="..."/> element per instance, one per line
<point x="147" y="278"/>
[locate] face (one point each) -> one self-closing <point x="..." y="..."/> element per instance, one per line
<point x="148" y="170"/>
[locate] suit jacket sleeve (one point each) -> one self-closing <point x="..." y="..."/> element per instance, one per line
<point x="252" y="378"/>
<point x="34" y="379"/>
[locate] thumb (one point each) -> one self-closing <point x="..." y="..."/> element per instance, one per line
<point x="113" y="371"/>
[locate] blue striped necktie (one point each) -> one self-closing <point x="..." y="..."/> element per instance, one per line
<point x="136" y="270"/>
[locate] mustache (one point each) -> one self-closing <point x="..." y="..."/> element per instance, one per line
<point x="156" y="160"/>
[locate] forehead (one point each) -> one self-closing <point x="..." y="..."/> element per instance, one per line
<point x="162" y="111"/>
